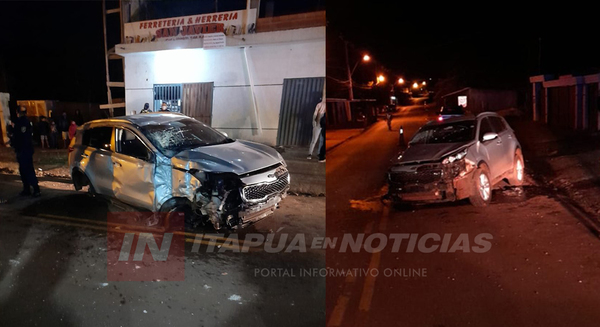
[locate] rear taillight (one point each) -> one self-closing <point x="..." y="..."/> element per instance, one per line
<point x="440" y="118"/>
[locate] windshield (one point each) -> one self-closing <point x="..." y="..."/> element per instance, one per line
<point x="174" y="136"/>
<point x="457" y="132"/>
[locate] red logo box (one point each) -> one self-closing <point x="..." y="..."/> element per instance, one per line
<point x="136" y="252"/>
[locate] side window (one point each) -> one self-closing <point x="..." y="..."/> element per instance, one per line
<point x="485" y="127"/>
<point x="98" y="137"/>
<point x="498" y="124"/>
<point x="130" y="145"/>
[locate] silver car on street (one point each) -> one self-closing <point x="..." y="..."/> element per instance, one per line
<point x="457" y="158"/>
<point x="171" y="163"/>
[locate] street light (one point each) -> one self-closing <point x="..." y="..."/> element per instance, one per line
<point x="365" y="58"/>
<point x="424" y="83"/>
<point x="380" y="78"/>
<point x="401" y="81"/>
<point x="415" y="85"/>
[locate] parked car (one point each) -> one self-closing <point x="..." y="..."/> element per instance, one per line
<point x="457" y="158"/>
<point x="171" y="163"/>
<point x="450" y="111"/>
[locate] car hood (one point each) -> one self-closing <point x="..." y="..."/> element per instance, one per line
<point x="429" y="152"/>
<point x="237" y="157"/>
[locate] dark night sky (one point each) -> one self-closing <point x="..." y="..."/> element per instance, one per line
<point x="489" y="44"/>
<point x="52" y="50"/>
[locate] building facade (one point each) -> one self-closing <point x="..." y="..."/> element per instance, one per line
<point x="254" y="78"/>
<point x="567" y="101"/>
<point x="479" y="100"/>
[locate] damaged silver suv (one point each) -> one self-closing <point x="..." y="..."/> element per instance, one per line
<point x="457" y="158"/>
<point x="166" y="162"/>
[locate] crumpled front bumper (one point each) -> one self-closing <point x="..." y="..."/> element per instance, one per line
<point x="432" y="182"/>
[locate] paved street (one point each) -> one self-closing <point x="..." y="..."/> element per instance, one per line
<point x="53" y="269"/>
<point x="537" y="264"/>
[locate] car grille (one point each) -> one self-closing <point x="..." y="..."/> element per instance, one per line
<point x="261" y="191"/>
<point x="421" y="176"/>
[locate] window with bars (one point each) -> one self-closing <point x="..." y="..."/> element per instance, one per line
<point x="169" y="93"/>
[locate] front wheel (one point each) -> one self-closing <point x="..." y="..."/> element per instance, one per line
<point x="171" y="214"/>
<point x="518" y="174"/>
<point x="481" y="192"/>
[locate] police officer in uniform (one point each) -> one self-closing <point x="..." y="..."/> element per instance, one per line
<point x="24" y="149"/>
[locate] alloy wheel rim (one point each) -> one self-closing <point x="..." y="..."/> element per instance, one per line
<point x="484" y="187"/>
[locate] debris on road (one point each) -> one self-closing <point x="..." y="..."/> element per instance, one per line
<point x="235" y="297"/>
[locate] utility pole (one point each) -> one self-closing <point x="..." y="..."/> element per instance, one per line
<point x="350" y="92"/>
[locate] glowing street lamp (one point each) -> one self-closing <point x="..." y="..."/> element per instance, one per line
<point x="401" y="81"/>
<point x="424" y="83"/>
<point x="415" y="85"/>
<point x="365" y="58"/>
<point x="380" y="79"/>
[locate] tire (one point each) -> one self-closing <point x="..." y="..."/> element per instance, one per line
<point x="172" y="208"/>
<point x="518" y="171"/>
<point x="481" y="191"/>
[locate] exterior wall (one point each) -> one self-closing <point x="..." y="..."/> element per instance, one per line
<point x="567" y="102"/>
<point x="491" y="100"/>
<point x="233" y="110"/>
<point x="277" y="23"/>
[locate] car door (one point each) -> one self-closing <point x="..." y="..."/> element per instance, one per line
<point x="505" y="136"/>
<point x="492" y="150"/>
<point x="133" y="170"/>
<point x="98" y="152"/>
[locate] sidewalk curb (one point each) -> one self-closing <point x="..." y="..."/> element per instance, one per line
<point x="351" y="137"/>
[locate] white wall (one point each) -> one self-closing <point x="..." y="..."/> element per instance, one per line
<point x="232" y="102"/>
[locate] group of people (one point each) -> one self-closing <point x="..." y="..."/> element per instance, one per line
<point x="50" y="130"/>
<point x="20" y="133"/>
<point x="163" y="108"/>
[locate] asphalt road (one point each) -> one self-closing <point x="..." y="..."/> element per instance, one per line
<point x="528" y="259"/>
<point x="55" y="268"/>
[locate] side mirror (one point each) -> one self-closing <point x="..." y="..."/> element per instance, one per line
<point x="489" y="136"/>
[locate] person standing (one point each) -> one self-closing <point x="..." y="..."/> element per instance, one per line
<point x="24" y="150"/>
<point x="146" y="108"/>
<point x="322" y="123"/>
<point x="316" y="132"/>
<point x="72" y="130"/>
<point x="164" y="107"/>
<point x="44" y="129"/>
<point x="53" y="135"/>
<point x="63" y="127"/>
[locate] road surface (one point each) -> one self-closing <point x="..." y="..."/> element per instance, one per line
<point x="54" y="269"/>
<point x="528" y="259"/>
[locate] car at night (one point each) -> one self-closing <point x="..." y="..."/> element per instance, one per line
<point x="457" y="158"/>
<point x="447" y="112"/>
<point x="171" y="163"/>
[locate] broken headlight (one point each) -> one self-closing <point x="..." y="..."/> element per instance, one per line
<point x="455" y="157"/>
<point x="455" y="164"/>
